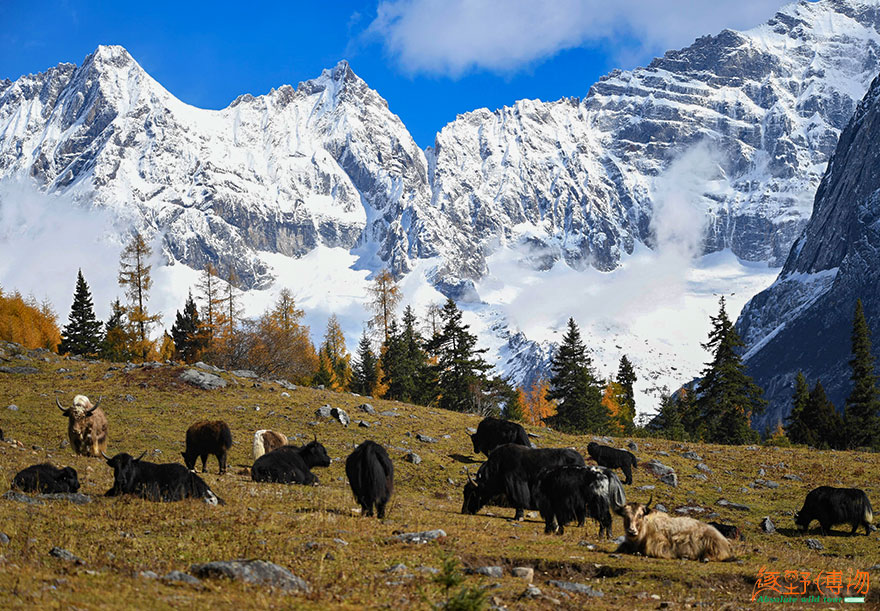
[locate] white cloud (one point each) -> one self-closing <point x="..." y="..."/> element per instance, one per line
<point x="452" y="37"/>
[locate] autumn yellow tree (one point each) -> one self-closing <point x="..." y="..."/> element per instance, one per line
<point x="209" y="291"/>
<point x="612" y="400"/>
<point x="227" y="346"/>
<point x="334" y="361"/>
<point x="279" y="344"/>
<point x="26" y="322"/>
<point x="134" y="277"/>
<point x="385" y="296"/>
<point x="536" y="406"/>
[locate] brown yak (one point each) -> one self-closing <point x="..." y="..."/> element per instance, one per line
<point x="265" y="441"/>
<point x="659" y="535"/>
<point x="86" y="426"/>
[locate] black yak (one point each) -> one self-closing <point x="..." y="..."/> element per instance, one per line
<point x="291" y="464"/>
<point x="157" y="482"/>
<point x="832" y="506"/>
<point x="606" y="456"/>
<point x="46" y="478"/>
<point x="204" y="438"/>
<point x="512" y="470"/>
<point x="568" y="493"/>
<point x="493" y="432"/>
<point x="371" y="476"/>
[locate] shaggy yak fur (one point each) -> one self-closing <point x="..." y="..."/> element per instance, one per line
<point x="606" y="456"/>
<point x="371" y="476"/>
<point x="204" y="438"/>
<point x="86" y="426"/>
<point x="659" y="535"/>
<point x="832" y="506"/>
<point x="265" y="441"/>
<point x="47" y="479"/>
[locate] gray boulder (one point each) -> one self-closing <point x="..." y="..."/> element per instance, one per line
<point x="257" y="572"/>
<point x="767" y="525"/>
<point x="367" y="408"/>
<point x="420" y="537"/>
<point x="578" y="588"/>
<point x="202" y="379"/>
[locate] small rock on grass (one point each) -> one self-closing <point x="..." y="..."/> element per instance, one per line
<point x="413" y="458"/>
<point x="257" y="572"/>
<point x="767" y="525"/>
<point x="420" y="537"/>
<point x="180" y="577"/>
<point x="495" y="572"/>
<point x="4" y="539"/>
<point x="523" y="572"/>
<point x="814" y="544"/>
<point x="579" y="588"/>
<point x="63" y="554"/>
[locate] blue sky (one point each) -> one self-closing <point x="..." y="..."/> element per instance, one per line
<point x="431" y="59"/>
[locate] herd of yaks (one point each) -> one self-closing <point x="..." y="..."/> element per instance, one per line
<point x="555" y="481"/>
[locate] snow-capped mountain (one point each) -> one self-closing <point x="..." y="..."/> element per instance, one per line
<point x="714" y="148"/>
<point x="803" y="322"/>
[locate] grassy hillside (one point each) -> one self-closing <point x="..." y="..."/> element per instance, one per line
<point x="316" y="532"/>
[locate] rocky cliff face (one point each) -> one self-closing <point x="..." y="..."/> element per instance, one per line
<point x="803" y="321"/>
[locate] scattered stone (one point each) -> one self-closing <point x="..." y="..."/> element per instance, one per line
<point x="76" y="498"/>
<point x="285" y="394"/>
<point x="12" y="495"/>
<point x="496" y="572"/>
<point x="792" y="477"/>
<point x="425" y="438"/>
<point x="532" y="592"/>
<point x="21" y="369"/>
<point x="363" y="424"/>
<point x="367" y="408"/>
<point x="661" y="507"/>
<point x="703" y="467"/>
<point x="588" y="545"/>
<point x="420" y="537"/>
<point x="692" y="455"/>
<point x="107" y="375"/>
<point x="662" y="453"/>
<point x="814" y="544"/>
<point x="63" y="554"/>
<point x="389" y="413"/>
<point x="648" y="487"/>
<point x="244" y="373"/>
<point x="397" y="568"/>
<point x="523" y="572"/>
<point x="761" y="472"/>
<point x="670" y="479"/>
<point x="4" y="539"/>
<point x="737" y="506"/>
<point x="766" y="483"/>
<point x="428" y="569"/>
<point x="472" y="430"/>
<point x="579" y="588"/>
<point x="312" y="545"/>
<point x="257" y="572"/>
<point x="203" y="380"/>
<point x="767" y="525"/>
<point x="752" y="448"/>
<point x="689" y="509"/>
<point x="180" y="577"/>
<point x="632" y="447"/>
<point x="12" y="407"/>
<point x="658" y="468"/>
<point x="148" y="575"/>
<point x="533" y="435"/>
<point x="325" y="411"/>
<point x="340" y="415"/>
<point x="700" y="476"/>
<point x="413" y="458"/>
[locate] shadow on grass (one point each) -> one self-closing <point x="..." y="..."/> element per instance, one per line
<point x="465" y="459"/>
<point x="794" y="533"/>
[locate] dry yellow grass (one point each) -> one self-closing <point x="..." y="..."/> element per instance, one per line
<point x="317" y="534"/>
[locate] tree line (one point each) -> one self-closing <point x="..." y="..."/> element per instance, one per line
<point x="436" y="361"/>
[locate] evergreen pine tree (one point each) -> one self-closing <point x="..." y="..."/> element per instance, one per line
<point x="392" y="359"/>
<point x="460" y="368"/>
<point x="82" y="334"/>
<point x="825" y="421"/>
<point x="727" y="397"/>
<point x="188" y="332"/>
<point x="365" y="369"/>
<point x="798" y="429"/>
<point x="862" y="413"/>
<point x="670" y="419"/>
<point x="626" y="377"/>
<point x="574" y="387"/>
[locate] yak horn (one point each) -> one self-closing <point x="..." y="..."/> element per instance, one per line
<point x="316" y="436"/>
<point x="99" y="402"/>
<point x="104" y="455"/>
<point x="649" y="500"/>
<point x="468" y="475"/>
<point x="58" y="403"/>
<point x="141" y="456"/>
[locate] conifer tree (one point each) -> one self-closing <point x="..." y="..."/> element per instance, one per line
<point x="727" y="397"/>
<point x="670" y="418"/>
<point x="188" y="332"/>
<point x="334" y="358"/>
<point x="828" y="424"/>
<point x="862" y="405"/>
<point x="391" y="361"/>
<point x="134" y="276"/>
<point x="209" y="291"/>
<point x="384" y="297"/>
<point x="460" y="369"/>
<point x="574" y="387"/>
<point x="117" y="337"/>
<point x="798" y="429"/>
<point x="626" y="377"/>
<point x="365" y="370"/>
<point x="82" y="334"/>
<point x="166" y="348"/>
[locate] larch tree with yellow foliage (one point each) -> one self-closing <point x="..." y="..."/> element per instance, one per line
<point x="334" y="361"/>
<point x="384" y="297"/>
<point x="26" y="322"/>
<point x="279" y="344"/>
<point x="134" y="277"/>
<point x="536" y="406"/>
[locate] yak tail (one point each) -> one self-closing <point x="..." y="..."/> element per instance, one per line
<point x="226" y="437"/>
<point x="615" y="491"/>
<point x="259" y="448"/>
<point x="869" y="511"/>
<point x="635" y="462"/>
<point x="376" y="470"/>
